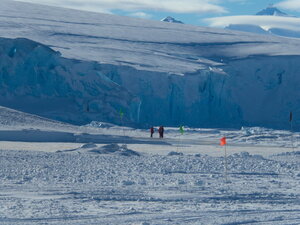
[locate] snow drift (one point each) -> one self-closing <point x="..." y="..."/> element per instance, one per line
<point x="159" y="73"/>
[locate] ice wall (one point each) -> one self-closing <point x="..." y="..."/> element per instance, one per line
<point x="36" y="79"/>
<point x="255" y="91"/>
<point x="170" y="100"/>
<point x="266" y="89"/>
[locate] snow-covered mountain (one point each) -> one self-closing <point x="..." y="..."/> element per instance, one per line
<point x="170" y="19"/>
<point x="157" y="73"/>
<point x="271" y="11"/>
<point x="267" y="27"/>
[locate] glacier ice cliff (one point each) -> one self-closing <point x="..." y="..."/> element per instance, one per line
<point x="79" y="66"/>
<point x="257" y="91"/>
<point x="36" y="79"/>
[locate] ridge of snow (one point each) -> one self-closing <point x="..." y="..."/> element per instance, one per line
<point x="10" y="118"/>
<point x="247" y="28"/>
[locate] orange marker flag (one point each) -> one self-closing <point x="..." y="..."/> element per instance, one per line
<point x="223" y="141"/>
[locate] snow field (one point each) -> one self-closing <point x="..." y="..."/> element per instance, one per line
<point x="64" y="174"/>
<point x="81" y="187"/>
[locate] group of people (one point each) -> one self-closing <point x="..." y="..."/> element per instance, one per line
<point x="160" y="131"/>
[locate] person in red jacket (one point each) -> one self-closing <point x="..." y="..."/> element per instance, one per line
<point x="161" y="131"/>
<point x="151" y="131"/>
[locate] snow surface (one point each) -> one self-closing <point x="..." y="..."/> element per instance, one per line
<point x="134" y="179"/>
<point x="57" y="173"/>
<point x="247" y="28"/>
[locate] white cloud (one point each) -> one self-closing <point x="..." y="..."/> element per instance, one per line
<point x="140" y="15"/>
<point x="266" y="22"/>
<point x="176" y="6"/>
<point x="293" y="5"/>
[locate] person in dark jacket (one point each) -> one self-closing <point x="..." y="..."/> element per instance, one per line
<point x="151" y="131"/>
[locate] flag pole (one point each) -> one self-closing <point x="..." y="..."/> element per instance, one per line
<point x="291" y="127"/>
<point x="224" y="143"/>
<point x="225" y="163"/>
<point x="121" y="115"/>
<point x="178" y="143"/>
<point x="181" y="130"/>
<point x="123" y="126"/>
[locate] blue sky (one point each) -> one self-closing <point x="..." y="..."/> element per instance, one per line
<point x="188" y="11"/>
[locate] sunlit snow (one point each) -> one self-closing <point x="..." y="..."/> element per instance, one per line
<point x="105" y="174"/>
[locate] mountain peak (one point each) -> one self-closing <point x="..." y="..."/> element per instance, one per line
<point x="170" y="19"/>
<point x="271" y="11"/>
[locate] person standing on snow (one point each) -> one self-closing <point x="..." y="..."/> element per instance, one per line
<point x="161" y="131"/>
<point x="151" y="131"/>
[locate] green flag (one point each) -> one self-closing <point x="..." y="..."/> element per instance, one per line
<point x="181" y="129"/>
<point x="121" y="113"/>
